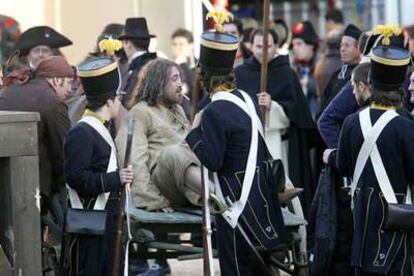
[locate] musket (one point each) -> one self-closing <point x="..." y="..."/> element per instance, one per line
<point x="264" y="65"/>
<point x="121" y="212"/>
<point x="208" y="269"/>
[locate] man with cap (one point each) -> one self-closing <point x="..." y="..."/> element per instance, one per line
<point x="135" y="41"/>
<point x="221" y="138"/>
<point x="350" y="56"/>
<point x="305" y="45"/>
<point x="381" y="173"/>
<point x="44" y="93"/>
<point x="40" y="42"/>
<point x="91" y="169"/>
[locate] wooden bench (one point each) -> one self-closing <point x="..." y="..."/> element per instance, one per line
<point x="151" y="229"/>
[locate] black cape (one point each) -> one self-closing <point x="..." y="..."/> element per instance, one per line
<point x="284" y="87"/>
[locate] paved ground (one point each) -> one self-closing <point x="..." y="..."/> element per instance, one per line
<point x="190" y="268"/>
<point x="194" y="268"/>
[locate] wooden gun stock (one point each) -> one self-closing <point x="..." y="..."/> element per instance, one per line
<point x="121" y="213"/>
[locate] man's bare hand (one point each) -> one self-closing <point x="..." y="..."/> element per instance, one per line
<point x="126" y="175"/>
<point x="264" y="99"/>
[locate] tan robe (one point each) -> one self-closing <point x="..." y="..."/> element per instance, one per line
<point x="156" y="128"/>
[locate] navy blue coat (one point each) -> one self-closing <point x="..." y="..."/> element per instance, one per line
<point x="86" y="161"/>
<point x="323" y="222"/>
<point x="376" y="250"/>
<point x="222" y="143"/>
<point x="332" y="118"/>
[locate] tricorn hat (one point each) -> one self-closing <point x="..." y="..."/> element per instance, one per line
<point x="305" y="31"/>
<point x="41" y="35"/>
<point x="388" y="67"/>
<point x="136" y="28"/>
<point x="100" y="78"/>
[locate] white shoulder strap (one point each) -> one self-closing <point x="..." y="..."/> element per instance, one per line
<point x="370" y="149"/>
<point x="233" y="213"/>
<point x="102" y="199"/>
<point x="226" y="96"/>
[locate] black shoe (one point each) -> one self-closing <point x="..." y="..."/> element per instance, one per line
<point x="137" y="267"/>
<point x="158" y="268"/>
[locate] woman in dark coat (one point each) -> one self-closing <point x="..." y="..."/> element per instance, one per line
<point x="91" y="170"/>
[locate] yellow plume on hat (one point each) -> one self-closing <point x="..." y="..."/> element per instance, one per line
<point x="220" y="17"/>
<point x="109" y="46"/>
<point x="387" y="31"/>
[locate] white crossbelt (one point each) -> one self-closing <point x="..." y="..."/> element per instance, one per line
<point x="233" y="213"/>
<point x="102" y="198"/>
<point x="369" y="149"/>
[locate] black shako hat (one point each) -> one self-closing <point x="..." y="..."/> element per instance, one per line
<point x="305" y="31"/>
<point x="40" y="35"/>
<point x="217" y="52"/>
<point x="136" y="28"/>
<point x="388" y="67"/>
<point x="397" y="41"/>
<point x="352" y="31"/>
<point x="100" y="79"/>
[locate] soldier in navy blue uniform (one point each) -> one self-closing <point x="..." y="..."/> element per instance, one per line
<point x="375" y="250"/>
<point x="222" y="143"/>
<point x="88" y="158"/>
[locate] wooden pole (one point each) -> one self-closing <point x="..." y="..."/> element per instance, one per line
<point x="263" y="72"/>
<point x="121" y="214"/>
<point x="208" y="269"/>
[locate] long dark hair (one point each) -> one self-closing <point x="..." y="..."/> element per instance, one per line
<point x="388" y="98"/>
<point x="152" y="81"/>
<point x="205" y="83"/>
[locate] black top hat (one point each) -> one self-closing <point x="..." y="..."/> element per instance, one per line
<point x="217" y="52"/>
<point x="352" y="31"/>
<point x="100" y="79"/>
<point x="136" y="28"/>
<point x="305" y="31"/>
<point x="388" y="67"/>
<point x="41" y="35"/>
